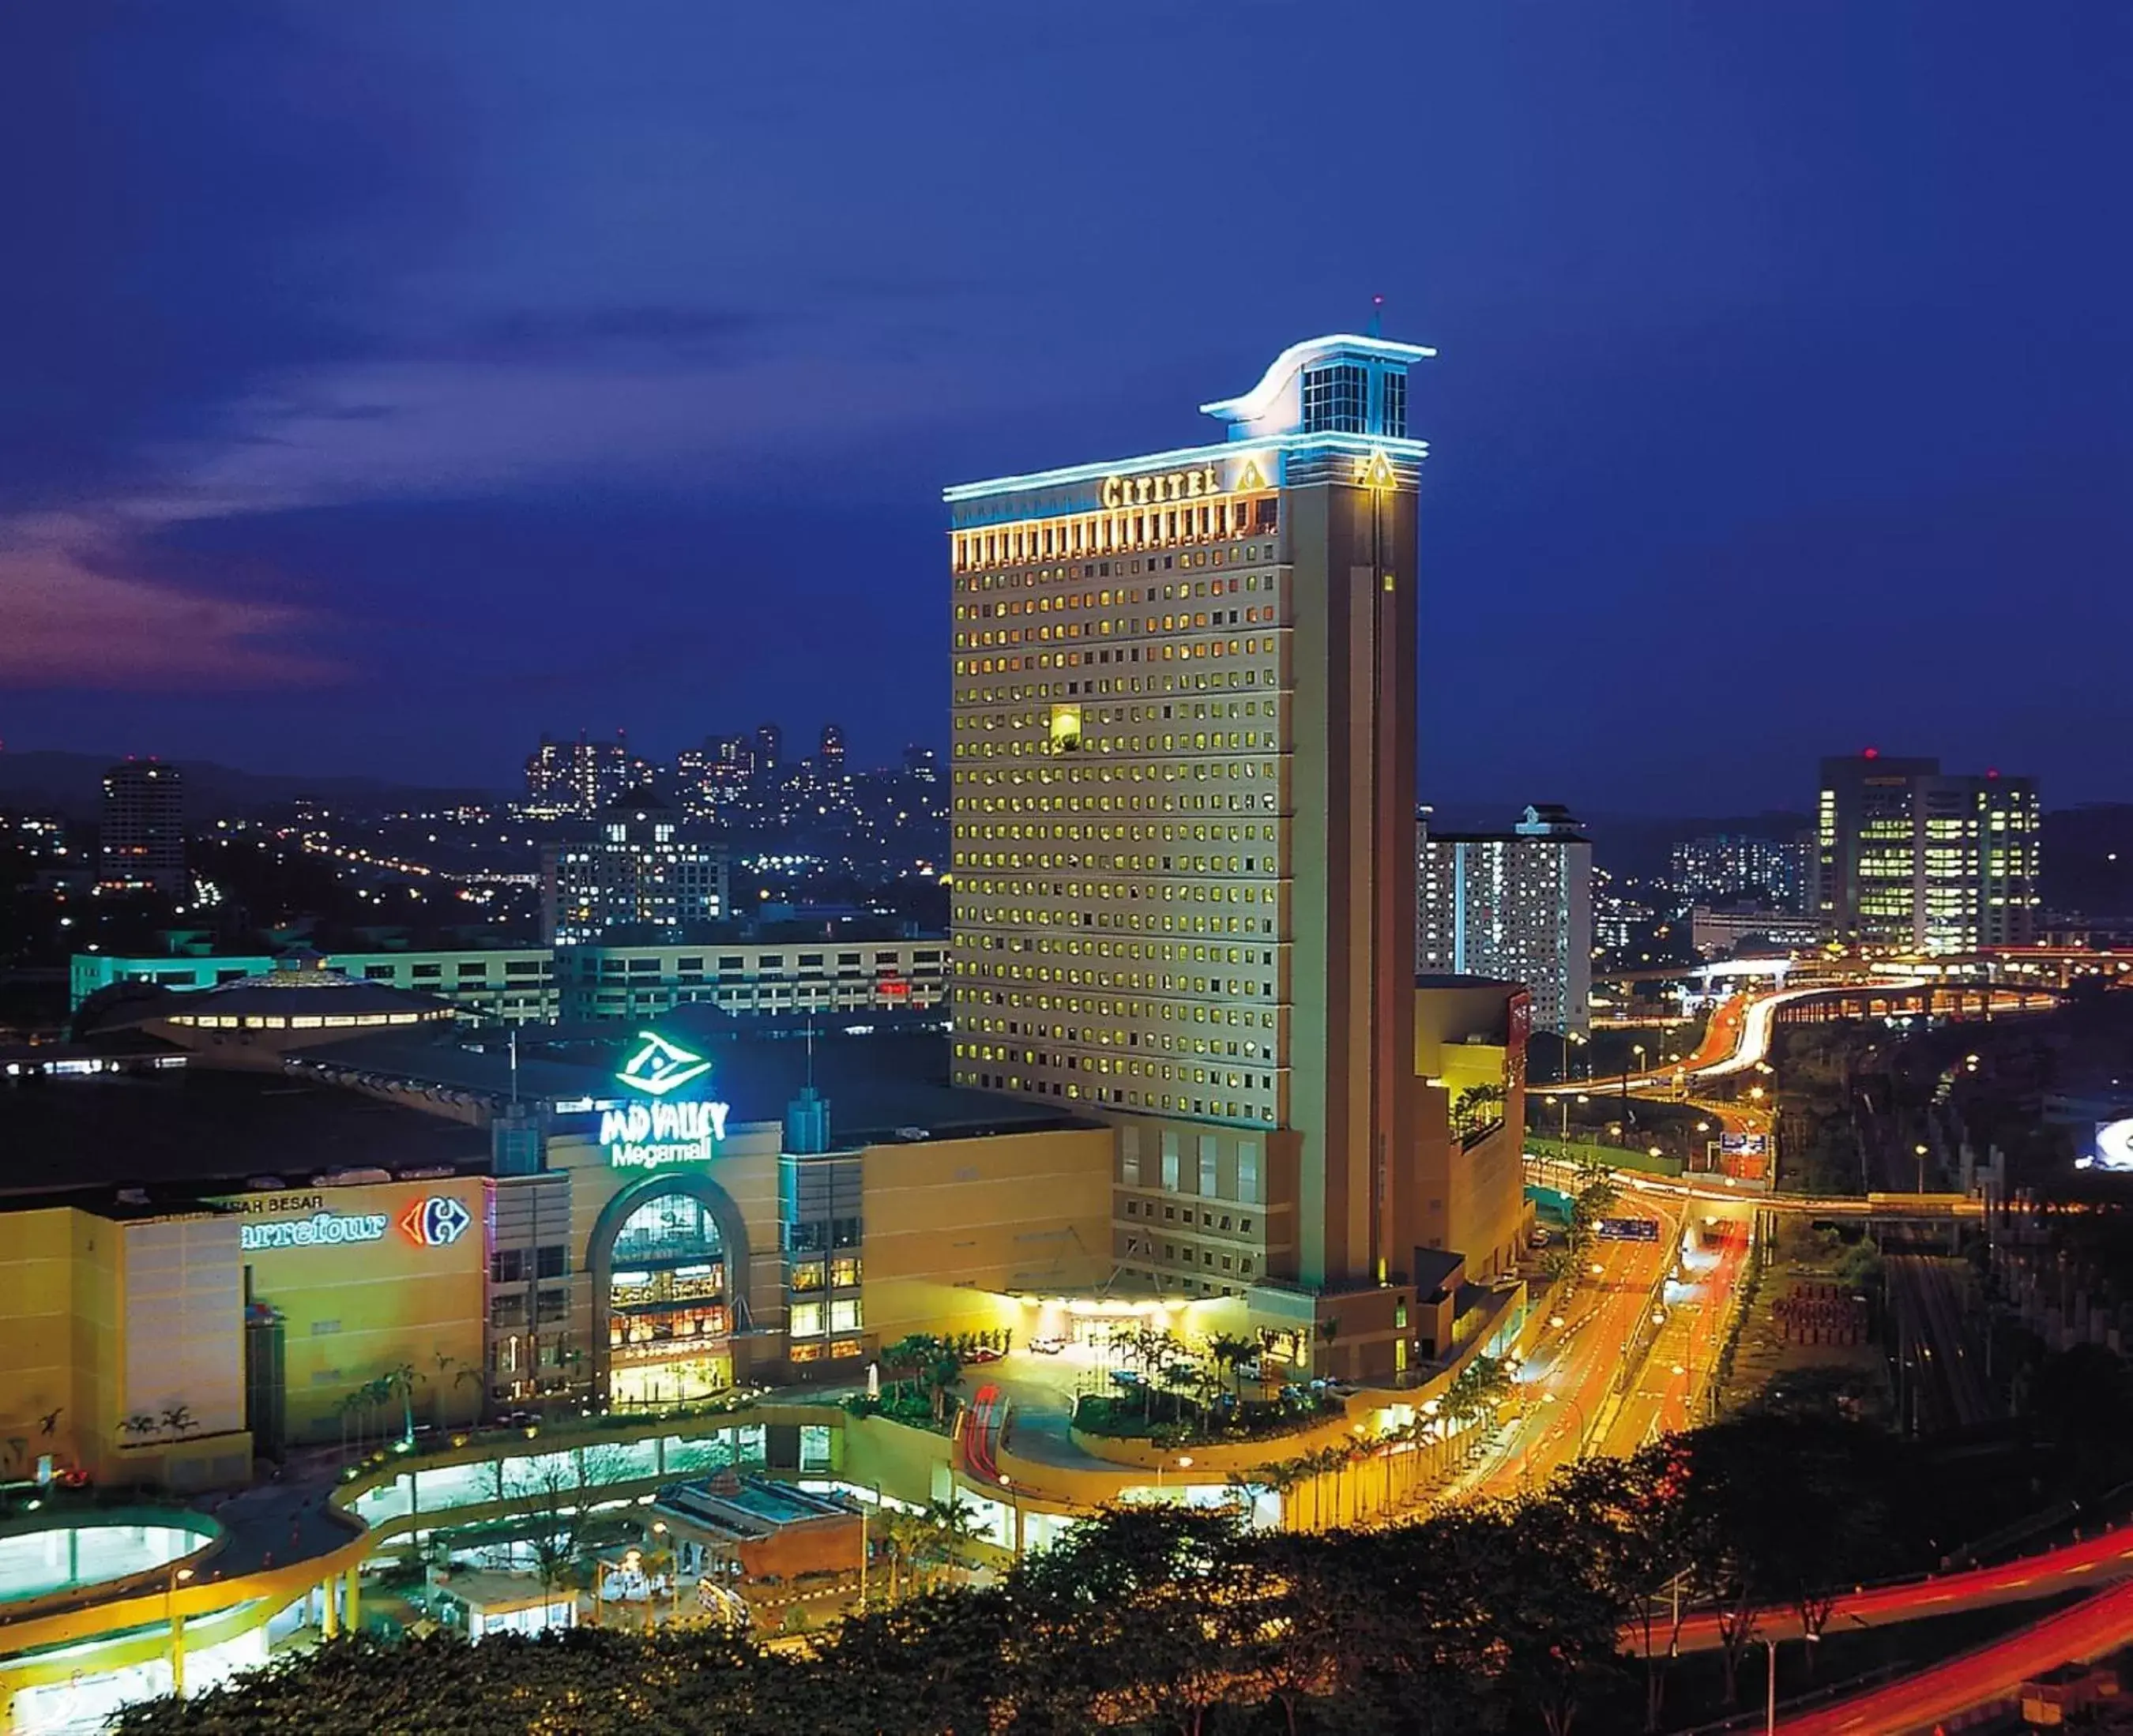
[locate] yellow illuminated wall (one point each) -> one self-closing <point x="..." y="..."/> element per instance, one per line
<point x="953" y="1224"/>
<point x="59" y="1343"/>
<point x="1472" y="1189"/>
<point x="356" y="1311"/>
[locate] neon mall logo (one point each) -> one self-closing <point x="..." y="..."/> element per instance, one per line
<point x="660" y="1066"/>
<point x="644" y="1136"/>
<point x="436" y="1222"/>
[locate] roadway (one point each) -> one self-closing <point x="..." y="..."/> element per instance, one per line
<point x="2085" y="1562"/>
<point x="1666" y="1389"/>
<point x="1566" y="1386"/>
<point x="1992" y="1673"/>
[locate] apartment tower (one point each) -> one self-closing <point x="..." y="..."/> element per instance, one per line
<point x="1183" y="776"/>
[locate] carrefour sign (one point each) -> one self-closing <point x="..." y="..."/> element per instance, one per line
<point x="646" y="1135"/>
<point x="436" y="1222"/>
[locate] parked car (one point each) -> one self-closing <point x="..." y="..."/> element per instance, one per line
<point x="1046" y="1346"/>
<point x="981" y="1354"/>
<point x="1538" y="1237"/>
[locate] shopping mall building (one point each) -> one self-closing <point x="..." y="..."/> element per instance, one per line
<point x="222" y="1230"/>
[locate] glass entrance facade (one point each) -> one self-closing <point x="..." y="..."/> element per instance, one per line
<point x="669" y="1313"/>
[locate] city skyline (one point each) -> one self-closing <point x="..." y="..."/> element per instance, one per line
<point x="476" y="379"/>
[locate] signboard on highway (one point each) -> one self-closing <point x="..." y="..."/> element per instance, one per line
<point x="1747" y="1144"/>
<point x="1628" y="1229"/>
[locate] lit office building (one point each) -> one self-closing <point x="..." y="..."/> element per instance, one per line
<point x="1515" y="905"/>
<point x="830" y="759"/>
<point x="1184" y="762"/>
<point x="640" y="871"/>
<point x="141" y="837"/>
<point x="1912" y="859"/>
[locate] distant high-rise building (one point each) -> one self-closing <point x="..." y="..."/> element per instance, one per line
<point x="638" y="869"/>
<point x="830" y="758"/>
<point x="769" y="749"/>
<point x="1183" y="760"/>
<point x="1722" y="865"/>
<point x="919" y="763"/>
<point x="1515" y="905"/>
<point x="706" y="776"/>
<point x="582" y="776"/>
<point x="1911" y="859"/>
<point x="142" y="836"/>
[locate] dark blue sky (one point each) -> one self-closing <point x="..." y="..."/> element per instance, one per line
<point x="383" y="384"/>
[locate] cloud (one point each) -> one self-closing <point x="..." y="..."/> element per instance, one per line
<point x="602" y="334"/>
<point x="203" y="197"/>
<point x="72" y="624"/>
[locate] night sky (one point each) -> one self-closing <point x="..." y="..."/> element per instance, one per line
<point x="381" y="384"/>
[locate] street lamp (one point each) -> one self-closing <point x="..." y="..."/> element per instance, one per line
<point x="1771" y="1680"/>
<point x="673" y="1575"/>
<point x="1921" y="1151"/>
<point x="1184" y="1464"/>
<point x="179" y="1575"/>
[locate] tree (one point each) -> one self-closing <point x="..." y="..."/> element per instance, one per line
<point x="1329" y="1330"/>
<point x="947" y="1529"/>
<point x="1230" y="1354"/>
<point x="1557" y="1618"/>
<point x="178" y="1419"/>
<point x="1478" y="1388"/>
<point x="1644" y="1544"/>
<point x="399" y="1382"/>
<point x="558" y="1491"/>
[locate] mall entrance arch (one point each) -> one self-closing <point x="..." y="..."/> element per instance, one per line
<point x="669" y="1262"/>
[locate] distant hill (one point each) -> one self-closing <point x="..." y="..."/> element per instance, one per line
<point x="72" y="784"/>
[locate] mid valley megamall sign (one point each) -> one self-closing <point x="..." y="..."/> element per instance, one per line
<point x="665" y="1130"/>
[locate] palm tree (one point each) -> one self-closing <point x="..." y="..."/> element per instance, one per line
<point x="138" y="1426"/>
<point x="1329" y="1330"/>
<point x="946" y="1529"/>
<point x="178" y="1418"/>
<point x="400" y="1381"/>
<point x="1232" y="1354"/>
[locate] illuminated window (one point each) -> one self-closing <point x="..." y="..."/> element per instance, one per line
<point x="807" y="1321"/>
<point x="1334" y="398"/>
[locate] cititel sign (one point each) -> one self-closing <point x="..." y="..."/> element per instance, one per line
<point x="646" y="1135"/>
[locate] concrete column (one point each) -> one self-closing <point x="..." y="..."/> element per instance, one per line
<point x="352" y="1616"/>
<point x="329" y="1609"/>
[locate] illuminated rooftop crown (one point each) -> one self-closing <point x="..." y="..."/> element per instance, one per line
<point x="1334" y="385"/>
<point x="1325" y="401"/>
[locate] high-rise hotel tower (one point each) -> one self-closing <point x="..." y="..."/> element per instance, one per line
<point x="1184" y="799"/>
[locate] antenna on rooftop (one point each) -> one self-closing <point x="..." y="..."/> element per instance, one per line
<point x="1377" y="316"/>
<point x="514" y="1066"/>
<point x="811" y="1051"/>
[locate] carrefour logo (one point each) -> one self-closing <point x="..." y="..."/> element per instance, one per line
<point x="436" y="1222"/>
<point x="661" y="1066"/>
<point x="321" y="1230"/>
